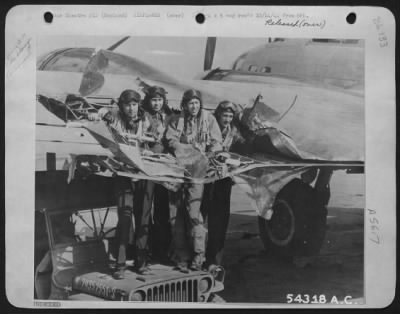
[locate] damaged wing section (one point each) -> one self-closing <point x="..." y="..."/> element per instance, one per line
<point x="262" y="165"/>
<point x="259" y="125"/>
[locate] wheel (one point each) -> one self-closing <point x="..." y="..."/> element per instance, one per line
<point x="298" y="223"/>
<point x="280" y="229"/>
<point x="215" y="298"/>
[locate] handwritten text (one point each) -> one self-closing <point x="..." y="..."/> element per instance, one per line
<point x="294" y="23"/>
<point x="19" y="54"/>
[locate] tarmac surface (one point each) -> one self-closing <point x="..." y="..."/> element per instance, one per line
<point x="255" y="276"/>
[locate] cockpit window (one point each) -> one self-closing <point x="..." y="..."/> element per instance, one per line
<point x="73" y="60"/>
<point x="76" y="60"/>
<point x="253" y="68"/>
<point x="350" y="41"/>
<point x="338" y="41"/>
<point x="325" y="40"/>
<point x="266" y="70"/>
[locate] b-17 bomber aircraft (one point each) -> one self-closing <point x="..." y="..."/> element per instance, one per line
<point x="298" y="131"/>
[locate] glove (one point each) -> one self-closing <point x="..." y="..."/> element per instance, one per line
<point x="103" y="112"/>
<point x="93" y="116"/>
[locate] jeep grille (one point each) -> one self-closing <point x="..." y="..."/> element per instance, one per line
<point x="178" y="291"/>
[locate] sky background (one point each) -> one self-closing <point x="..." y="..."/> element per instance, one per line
<point x="182" y="57"/>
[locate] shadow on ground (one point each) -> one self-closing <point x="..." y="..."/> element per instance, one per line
<point x="255" y="276"/>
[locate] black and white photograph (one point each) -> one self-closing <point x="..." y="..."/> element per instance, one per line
<point x="200" y="169"/>
<point x="155" y="159"/>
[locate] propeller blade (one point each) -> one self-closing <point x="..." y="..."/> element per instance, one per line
<point x="93" y="79"/>
<point x="210" y="51"/>
<point x="118" y="43"/>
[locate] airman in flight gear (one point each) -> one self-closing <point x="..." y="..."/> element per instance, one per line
<point x="217" y="195"/>
<point x="156" y="196"/>
<point x="128" y="118"/>
<point x="197" y="128"/>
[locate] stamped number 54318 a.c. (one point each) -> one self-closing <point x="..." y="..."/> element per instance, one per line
<point x="316" y="299"/>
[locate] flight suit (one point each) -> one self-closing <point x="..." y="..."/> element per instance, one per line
<point x="130" y="195"/>
<point x="216" y="203"/>
<point x="154" y="196"/>
<point x="203" y="133"/>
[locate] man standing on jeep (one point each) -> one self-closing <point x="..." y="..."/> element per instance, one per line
<point x="217" y="195"/>
<point x="128" y="118"/>
<point x="155" y="196"/>
<point x="197" y="131"/>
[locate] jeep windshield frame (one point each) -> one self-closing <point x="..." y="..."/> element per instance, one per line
<point x="69" y="228"/>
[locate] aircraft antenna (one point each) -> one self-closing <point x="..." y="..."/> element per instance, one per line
<point x="291" y="106"/>
<point x="117" y="44"/>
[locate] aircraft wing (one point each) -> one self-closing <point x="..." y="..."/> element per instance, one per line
<point x="91" y="148"/>
<point x="125" y="157"/>
<point x="100" y="155"/>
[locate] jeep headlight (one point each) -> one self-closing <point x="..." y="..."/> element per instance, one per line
<point x="218" y="272"/>
<point x="204" y="285"/>
<point x="137" y="296"/>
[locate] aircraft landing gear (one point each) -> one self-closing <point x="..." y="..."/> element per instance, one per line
<point x="298" y="223"/>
